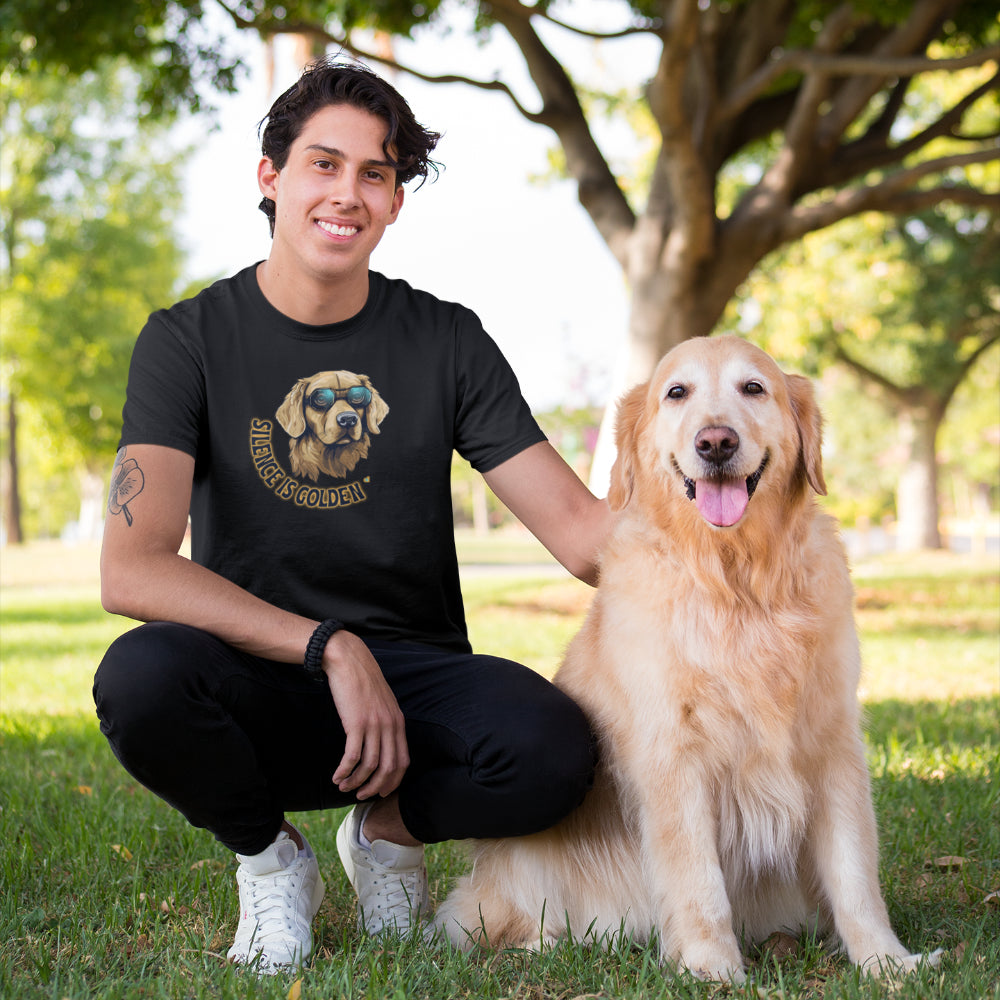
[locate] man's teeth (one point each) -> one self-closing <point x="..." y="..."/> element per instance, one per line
<point x="337" y="230"/>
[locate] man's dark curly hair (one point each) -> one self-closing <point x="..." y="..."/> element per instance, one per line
<point x="407" y="145"/>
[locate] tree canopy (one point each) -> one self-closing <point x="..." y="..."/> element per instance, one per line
<point x="773" y="118"/>
<point x="909" y="307"/>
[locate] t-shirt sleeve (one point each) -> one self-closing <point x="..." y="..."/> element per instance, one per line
<point x="493" y="421"/>
<point x="164" y="402"/>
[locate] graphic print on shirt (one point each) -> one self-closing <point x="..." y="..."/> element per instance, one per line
<point x="330" y="419"/>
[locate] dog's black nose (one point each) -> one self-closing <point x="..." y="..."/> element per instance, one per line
<point x="717" y="444"/>
<point x="347" y="419"/>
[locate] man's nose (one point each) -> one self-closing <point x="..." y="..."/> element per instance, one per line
<point x="344" y="190"/>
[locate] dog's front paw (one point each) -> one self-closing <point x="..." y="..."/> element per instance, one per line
<point x="894" y="965"/>
<point x="716" y="965"/>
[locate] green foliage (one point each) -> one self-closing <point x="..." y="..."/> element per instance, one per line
<point x="912" y="299"/>
<point x="913" y="303"/>
<point x="88" y="199"/>
<point x="969" y="444"/>
<point x="165" y="41"/>
<point x="384" y="15"/>
<point x="178" y="56"/>
<point x="861" y="461"/>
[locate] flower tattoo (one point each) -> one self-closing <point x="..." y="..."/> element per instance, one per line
<point x="127" y="482"/>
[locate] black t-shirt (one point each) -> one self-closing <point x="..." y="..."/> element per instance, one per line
<point x="323" y="453"/>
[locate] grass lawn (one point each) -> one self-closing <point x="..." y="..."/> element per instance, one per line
<point x="108" y="893"/>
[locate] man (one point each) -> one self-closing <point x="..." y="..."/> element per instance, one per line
<point x="312" y="653"/>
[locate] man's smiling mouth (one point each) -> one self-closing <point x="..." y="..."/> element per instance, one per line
<point x="334" y="230"/>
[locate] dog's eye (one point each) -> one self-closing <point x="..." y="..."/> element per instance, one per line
<point x="753" y="389"/>
<point x="676" y="392"/>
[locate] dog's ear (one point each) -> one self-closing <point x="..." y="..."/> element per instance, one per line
<point x="810" y="425"/>
<point x="377" y="410"/>
<point x="630" y="410"/>
<point x="289" y="414"/>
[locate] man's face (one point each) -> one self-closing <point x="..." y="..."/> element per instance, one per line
<point x="334" y="196"/>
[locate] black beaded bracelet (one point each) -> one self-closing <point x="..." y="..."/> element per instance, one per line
<point x="313" y="662"/>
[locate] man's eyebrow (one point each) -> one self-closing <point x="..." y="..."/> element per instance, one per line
<point x="333" y="151"/>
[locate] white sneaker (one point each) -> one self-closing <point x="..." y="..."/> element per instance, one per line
<point x="390" y="879"/>
<point x="280" y="892"/>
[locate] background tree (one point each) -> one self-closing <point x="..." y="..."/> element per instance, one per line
<point x="821" y="93"/>
<point x="944" y="314"/>
<point x="969" y="444"/>
<point x="87" y="200"/>
<point x="773" y="119"/>
<point x="766" y="121"/>
<point x="909" y="307"/>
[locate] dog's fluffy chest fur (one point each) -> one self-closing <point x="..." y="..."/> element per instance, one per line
<point x="746" y="656"/>
<point x="728" y="690"/>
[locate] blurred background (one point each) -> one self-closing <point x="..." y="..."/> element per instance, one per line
<point x="616" y="177"/>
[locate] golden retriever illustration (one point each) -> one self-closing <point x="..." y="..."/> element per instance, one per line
<point x="330" y="418"/>
<point x="719" y="665"/>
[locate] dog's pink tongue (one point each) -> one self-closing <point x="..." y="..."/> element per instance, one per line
<point x="721" y="502"/>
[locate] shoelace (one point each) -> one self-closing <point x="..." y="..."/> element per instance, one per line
<point x="273" y="912"/>
<point x="394" y="890"/>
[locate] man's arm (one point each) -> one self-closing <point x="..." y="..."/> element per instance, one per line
<point x="548" y="498"/>
<point x="143" y="576"/>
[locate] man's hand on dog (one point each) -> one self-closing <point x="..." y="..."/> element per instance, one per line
<point x="375" y="756"/>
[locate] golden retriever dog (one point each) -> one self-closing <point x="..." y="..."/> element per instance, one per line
<point x="330" y="418"/>
<point x="718" y="665"/>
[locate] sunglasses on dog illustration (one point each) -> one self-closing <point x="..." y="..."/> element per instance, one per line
<point x="330" y="418"/>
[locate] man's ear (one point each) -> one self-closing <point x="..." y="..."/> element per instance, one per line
<point x="397" y="204"/>
<point x="267" y="178"/>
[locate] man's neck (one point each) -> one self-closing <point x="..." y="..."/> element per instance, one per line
<point x="312" y="301"/>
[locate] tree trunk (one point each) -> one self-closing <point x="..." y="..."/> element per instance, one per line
<point x="917" y="509"/>
<point x="666" y="308"/>
<point x="12" y="505"/>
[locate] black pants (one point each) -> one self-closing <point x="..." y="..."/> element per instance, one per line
<point x="232" y="740"/>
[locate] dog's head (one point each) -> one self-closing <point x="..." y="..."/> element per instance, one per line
<point x="719" y="421"/>
<point x="336" y="408"/>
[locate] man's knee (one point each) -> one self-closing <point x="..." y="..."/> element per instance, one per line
<point x="552" y="753"/>
<point x="140" y="683"/>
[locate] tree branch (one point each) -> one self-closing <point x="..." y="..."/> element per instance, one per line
<point x="598" y="189"/>
<point x="905" y="38"/>
<point x="806" y="61"/>
<point x="799" y="147"/>
<point x="858" y="65"/>
<point x="859" y="368"/>
<point x="895" y="194"/>
<point x="651" y="26"/>
<point x="682" y="189"/>
<point x="870" y="152"/>
<point x="966" y="366"/>
<point x="343" y="41"/>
